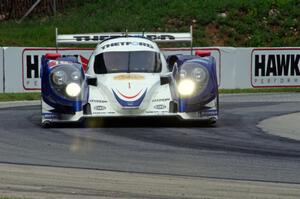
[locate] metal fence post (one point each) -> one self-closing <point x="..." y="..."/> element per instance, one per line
<point x="54" y="7"/>
<point x="29" y="11"/>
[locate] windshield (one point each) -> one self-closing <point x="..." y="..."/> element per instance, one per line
<point x="125" y="62"/>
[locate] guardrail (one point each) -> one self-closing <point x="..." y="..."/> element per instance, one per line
<point x="236" y="67"/>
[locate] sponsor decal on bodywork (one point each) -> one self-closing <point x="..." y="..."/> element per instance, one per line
<point x="50" y="115"/>
<point x="98" y="101"/>
<point x="54" y="63"/>
<point x="208" y="113"/>
<point x="129" y="77"/>
<point x="161" y="100"/>
<point x="162" y="37"/>
<point x="99" y="108"/>
<point x="160" y="106"/>
<point x="151" y="112"/>
<point x="115" y="44"/>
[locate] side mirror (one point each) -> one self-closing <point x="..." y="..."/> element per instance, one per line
<point x="171" y="61"/>
<point x="166" y="79"/>
<point x="92" y="81"/>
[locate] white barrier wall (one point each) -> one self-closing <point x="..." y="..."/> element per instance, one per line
<point x="1" y="70"/>
<point x="236" y="67"/>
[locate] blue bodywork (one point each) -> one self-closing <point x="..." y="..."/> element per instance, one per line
<point x="130" y="104"/>
<point x="60" y="102"/>
<point x="210" y="92"/>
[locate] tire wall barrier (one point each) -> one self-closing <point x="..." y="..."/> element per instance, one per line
<point x="236" y="67"/>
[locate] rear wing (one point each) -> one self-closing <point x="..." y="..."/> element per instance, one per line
<point x="95" y="38"/>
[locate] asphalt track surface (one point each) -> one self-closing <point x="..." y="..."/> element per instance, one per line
<point x="235" y="148"/>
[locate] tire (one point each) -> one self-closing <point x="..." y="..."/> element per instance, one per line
<point x="46" y="124"/>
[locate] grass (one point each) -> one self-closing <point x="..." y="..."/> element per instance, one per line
<point x="37" y="96"/>
<point x="10" y="198"/>
<point x="19" y="97"/>
<point x="218" y="22"/>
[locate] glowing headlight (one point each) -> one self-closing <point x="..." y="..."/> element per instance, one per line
<point x="186" y="87"/>
<point x="73" y="89"/>
<point x="199" y="74"/>
<point x="59" y="77"/>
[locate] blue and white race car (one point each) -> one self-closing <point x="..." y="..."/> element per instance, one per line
<point x="128" y="76"/>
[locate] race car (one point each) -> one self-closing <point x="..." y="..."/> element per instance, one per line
<point x="128" y="76"/>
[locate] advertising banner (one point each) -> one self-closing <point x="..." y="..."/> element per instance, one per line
<point x="236" y="67"/>
<point x="275" y="67"/>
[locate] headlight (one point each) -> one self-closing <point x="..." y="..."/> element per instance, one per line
<point x="199" y="74"/>
<point x="59" y="77"/>
<point x="182" y="73"/>
<point x="73" y="89"/>
<point x="186" y="87"/>
<point x="76" y="75"/>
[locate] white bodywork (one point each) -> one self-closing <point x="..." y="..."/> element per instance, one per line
<point x="104" y="99"/>
<point x="129" y="86"/>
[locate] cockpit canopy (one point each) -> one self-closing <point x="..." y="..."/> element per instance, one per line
<point x="127" y="62"/>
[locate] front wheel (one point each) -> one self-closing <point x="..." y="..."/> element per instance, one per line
<point x="46" y="124"/>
